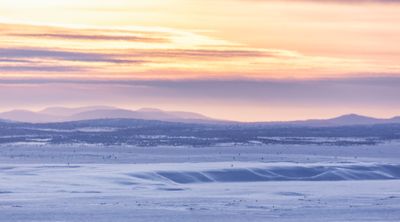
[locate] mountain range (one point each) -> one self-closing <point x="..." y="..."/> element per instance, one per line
<point x="63" y="114"/>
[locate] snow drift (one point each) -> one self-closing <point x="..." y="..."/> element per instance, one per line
<point x="277" y="173"/>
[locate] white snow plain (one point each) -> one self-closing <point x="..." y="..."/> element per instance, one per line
<point x="243" y="183"/>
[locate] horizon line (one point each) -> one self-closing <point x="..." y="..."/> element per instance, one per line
<point x="207" y="116"/>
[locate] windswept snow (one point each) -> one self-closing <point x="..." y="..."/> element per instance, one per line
<point x="250" y="183"/>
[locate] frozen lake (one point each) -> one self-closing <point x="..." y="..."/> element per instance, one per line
<point x="254" y="183"/>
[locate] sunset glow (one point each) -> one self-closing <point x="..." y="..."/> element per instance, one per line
<point x="127" y="53"/>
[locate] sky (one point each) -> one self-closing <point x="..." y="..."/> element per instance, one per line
<point x="247" y="60"/>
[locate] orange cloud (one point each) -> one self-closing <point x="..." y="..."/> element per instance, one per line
<point x="157" y="53"/>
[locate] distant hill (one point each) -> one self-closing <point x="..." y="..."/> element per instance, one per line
<point x="62" y="114"/>
<point x="350" y="119"/>
<point x="345" y="120"/>
<point x="64" y="111"/>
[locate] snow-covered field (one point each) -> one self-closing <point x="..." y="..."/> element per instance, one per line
<point x="248" y="183"/>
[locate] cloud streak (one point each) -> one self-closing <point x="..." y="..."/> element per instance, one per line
<point x="201" y="53"/>
<point x="137" y="52"/>
<point x="44" y="69"/>
<point x="127" y="52"/>
<point x="93" y="37"/>
<point x="61" y="55"/>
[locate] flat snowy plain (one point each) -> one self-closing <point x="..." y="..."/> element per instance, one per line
<point x="240" y="183"/>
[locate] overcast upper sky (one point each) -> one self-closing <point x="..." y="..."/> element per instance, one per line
<point x="234" y="59"/>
